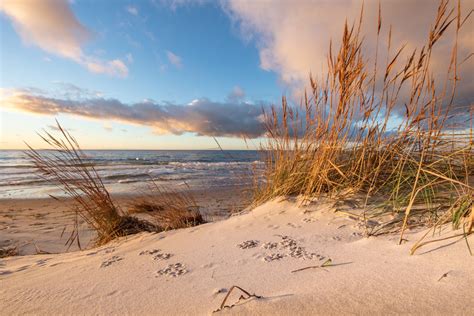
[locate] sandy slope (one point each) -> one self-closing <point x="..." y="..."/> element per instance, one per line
<point x="129" y="276"/>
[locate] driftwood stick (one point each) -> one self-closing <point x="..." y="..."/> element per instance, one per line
<point x="242" y="297"/>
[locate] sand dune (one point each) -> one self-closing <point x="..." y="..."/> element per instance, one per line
<point x="190" y="271"/>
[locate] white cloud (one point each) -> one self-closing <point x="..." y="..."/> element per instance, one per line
<point x="129" y="57"/>
<point x="236" y="95"/>
<point x="174" y="59"/>
<point x="114" y="67"/>
<point x="175" y="4"/>
<point x="293" y="36"/>
<point x="132" y="10"/>
<point x="52" y="26"/>
<point x="201" y="116"/>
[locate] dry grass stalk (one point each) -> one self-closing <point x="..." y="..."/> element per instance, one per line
<point x="170" y="209"/>
<point x="66" y="167"/>
<point x="344" y="139"/>
<point x="327" y="263"/>
<point x="8" y="252"/>
<point x="242" y="297"/>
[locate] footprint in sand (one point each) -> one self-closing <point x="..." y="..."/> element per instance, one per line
<point x="293" y="225"/>
<point x="248" y="244"/>
<point x="109" y="250"/>
<point x="149" y="252"/>
<point x="162" y="256"/>
<point x="296" y="251"/>
<point x="270" y="245"/>
<point x="289" y="246"/>
<point x="273" y="257"/>
<point x="157" y="254"/>
<point x="301" y="253"/>
<point x="287" y="242"/>
<point x="173" y="270"/>
<point x="110" y="261"/>
<point x="309" y="220"/>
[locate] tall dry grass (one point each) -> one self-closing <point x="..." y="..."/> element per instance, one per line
<point x="170" y="209"/>
<point x="66" y="167"/>
<point x="381" y="129"/>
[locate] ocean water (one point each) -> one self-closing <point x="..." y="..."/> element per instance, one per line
<point x="128" y="171"/>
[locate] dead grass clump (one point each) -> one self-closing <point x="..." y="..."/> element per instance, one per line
<point x="386" y="130"/>
<point x="129" y="225"/>
<point x="169" y="209"/>
<point x="65" y="166"/>
<point x="8" y="252"/>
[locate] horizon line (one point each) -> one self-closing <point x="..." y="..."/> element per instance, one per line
<point x="117" y="149"/>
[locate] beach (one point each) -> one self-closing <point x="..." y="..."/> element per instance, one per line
<point x="236" y="157"/>
<point x="189" y="271"/>
<point x="43" y="224"/>
<point x="35" y="214"/>
<point x="289" y="255"/>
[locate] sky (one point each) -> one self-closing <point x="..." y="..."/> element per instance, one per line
<point x="175" y="74"/>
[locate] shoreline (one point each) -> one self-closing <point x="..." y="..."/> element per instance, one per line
<point x="37" y="224"/>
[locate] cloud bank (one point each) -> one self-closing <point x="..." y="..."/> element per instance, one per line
<point x="53" y="27"/>
<point x="293" y="36"/>
<point x="202" y="116"/>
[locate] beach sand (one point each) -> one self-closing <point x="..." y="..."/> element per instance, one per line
<point x="189" y="271"/>
<point x="44" y="225"/>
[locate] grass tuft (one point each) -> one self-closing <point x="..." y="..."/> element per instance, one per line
<point x="384" y="131"/>
<point x="8" y="252"/>
<point x="169" y="209"/>
<point x="65" y="166"/>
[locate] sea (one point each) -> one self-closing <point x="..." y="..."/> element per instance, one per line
<point x="130" y="171"/>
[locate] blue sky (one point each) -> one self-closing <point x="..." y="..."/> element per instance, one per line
<point x="214" y="57"/>
<point x="172" y="54"/>
<point x="173" y="74"/>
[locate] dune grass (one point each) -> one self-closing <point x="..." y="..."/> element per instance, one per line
<point x="65" y="166"/>
<point x="386" y="130"/>
<point x="8" y="252"/>
<point x="170" y="209"/>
